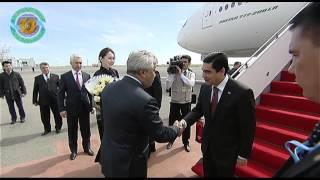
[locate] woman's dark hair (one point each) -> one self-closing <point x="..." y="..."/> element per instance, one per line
<point x="104" y="52"/>
<point x="218" y="60"/>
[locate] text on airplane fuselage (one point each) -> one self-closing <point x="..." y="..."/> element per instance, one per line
<point x="248" y="14"/>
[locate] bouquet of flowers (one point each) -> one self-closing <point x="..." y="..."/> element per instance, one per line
<point x="95" y="86"/>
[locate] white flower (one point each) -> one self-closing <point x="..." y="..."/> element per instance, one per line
<point x="96" y="84"/>
<point x="96" y="98"/>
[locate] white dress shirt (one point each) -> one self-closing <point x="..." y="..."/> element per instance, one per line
<point x="79" y="76"/>
<point x="46" y="77"/>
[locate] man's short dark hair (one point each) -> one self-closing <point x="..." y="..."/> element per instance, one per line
<point x="6" y="62"/>
<point x="236" y="63"/>
<point x="186" y="57"/>
<point x="218" y="60"/>
<point x="309" y="20"/>
<point x="44" y="64"/>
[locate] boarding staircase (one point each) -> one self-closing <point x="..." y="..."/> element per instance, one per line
<point x="282" y="113"/>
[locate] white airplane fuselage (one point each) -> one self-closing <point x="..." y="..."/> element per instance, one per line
<point x="237" y="29"/>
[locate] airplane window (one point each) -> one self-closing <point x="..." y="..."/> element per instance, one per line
<point x="226" y="7"/>
<point x="232" y="4"/>
<point x="220" y="9"/>
<point x="239" y="3"/>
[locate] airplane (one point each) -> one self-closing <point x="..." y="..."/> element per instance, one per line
<point x="235" y="28"/>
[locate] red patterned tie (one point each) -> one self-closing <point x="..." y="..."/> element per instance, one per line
<point x="214" y="100"/>
<point x="77" y="80"/>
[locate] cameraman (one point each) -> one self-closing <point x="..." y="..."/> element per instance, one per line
<point x="181" y="83"/>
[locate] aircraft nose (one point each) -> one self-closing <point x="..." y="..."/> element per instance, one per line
<point x="181" y="38"/>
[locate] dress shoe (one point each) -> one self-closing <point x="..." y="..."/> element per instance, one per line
<point x="73" y="155"/>
<point x="169" y="145"/>
<point x="89" y="152"/>
<point x="22" y="120"/>
<point x="13" y="122"/>
<point x="45" y="133"/>
<point x="187" y="147"/>
<point x="58" y="131"/>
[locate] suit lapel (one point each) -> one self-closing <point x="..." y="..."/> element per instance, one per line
<point x="85" y="77"/>
<point x="207" y="102"/>
<point x="73" y="80"/>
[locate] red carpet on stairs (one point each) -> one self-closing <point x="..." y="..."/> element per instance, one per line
<point x="283" y="114"/>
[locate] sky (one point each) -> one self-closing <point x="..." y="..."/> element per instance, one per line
<point x="86" y="28"/>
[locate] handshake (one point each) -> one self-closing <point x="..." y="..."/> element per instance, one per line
<point x="181" y="125"/>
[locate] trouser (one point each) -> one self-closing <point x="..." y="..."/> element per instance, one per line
<point x="177" y="112"/>
<point x="213" y="169"/>
<point x="84" y="120"/>
<point x="100" y="128"/>
<point x="12" y="109"/>
<point x="45" y="116"/>
<point x="100" y="125"/>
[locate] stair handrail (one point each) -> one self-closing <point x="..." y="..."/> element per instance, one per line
<point x="266" y="44"/>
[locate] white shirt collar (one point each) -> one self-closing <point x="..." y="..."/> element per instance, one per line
<point x="74" y="72"/>
<point x="222" y="83"/>
<point x="45" y="77"/>
<point x="133" y="78"/>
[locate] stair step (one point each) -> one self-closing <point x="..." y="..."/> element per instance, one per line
<point x="270" y="155"/>
<point x="277" y="135"/>
<point x="286" y="76"/>
<point x="290" y="102"/>
<point x="286" y="87"/>
<point x="294" y="119"/>
<point x="254" y="169"/>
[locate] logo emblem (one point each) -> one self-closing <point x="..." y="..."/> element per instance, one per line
<point x="27" y="25"/>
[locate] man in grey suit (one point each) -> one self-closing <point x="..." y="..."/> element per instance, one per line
<point x="131" y="116"/>
<point x="229" y="110"/>
<point x="76" y="106"/>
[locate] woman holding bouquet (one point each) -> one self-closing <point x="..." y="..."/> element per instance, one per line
<point x="106" y="58"/>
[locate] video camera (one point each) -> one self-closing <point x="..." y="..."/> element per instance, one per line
<point x="175" y="61"/>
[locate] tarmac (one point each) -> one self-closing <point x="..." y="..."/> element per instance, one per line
<point x="25" y="153"/>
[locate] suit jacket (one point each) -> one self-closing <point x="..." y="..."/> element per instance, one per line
<point x="128" y="123"/>
<point x="309" y="166"/>
<point x="11" y="85"/>
<point x="231" y="71"/>
<point x="155" y="90"/>
<point x="47" y="90"/>
<point x="70" y="97"/>
<point x="229" y="132"/>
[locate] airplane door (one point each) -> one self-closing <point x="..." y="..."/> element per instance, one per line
<point x="207" y="19"/>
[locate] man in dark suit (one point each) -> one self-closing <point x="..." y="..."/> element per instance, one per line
<point x="235" y="67"/>
<point x="155" y="90"/>
<point x="76" y="106"/>
<point x="46" y="85"/>
<point x="13" y="89"/>
<point x="229" y="110"/>
<point x="130" y="121"/>
<point x="305" y="50"/>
